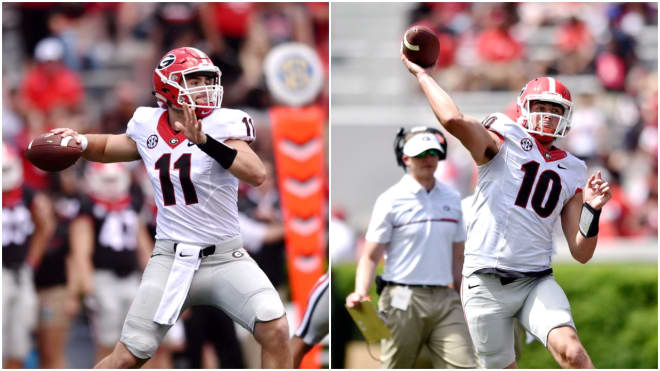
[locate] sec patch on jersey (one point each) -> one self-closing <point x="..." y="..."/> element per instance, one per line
<point x="52" y="152"/>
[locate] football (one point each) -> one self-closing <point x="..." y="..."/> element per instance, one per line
<point x="52" y="152"/>
<point x="421" y="46"/>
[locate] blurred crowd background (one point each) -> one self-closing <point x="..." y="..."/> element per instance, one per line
<point x="608" y="52"/>
<point x="605" y="53"/>
<point x="88" y="66"/>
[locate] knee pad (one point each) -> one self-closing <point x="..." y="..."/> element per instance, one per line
<point x="267" y="306"/>
<point x="142" y="338"/>
<point x="496" y="358"/>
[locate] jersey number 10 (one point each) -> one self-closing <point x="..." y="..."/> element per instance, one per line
<point x="542" y="186"/>
<point x="183" y="164"/>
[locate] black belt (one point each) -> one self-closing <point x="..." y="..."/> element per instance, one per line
<point x="208" y="250"/>
<point x="390" y="283"/>
<point x="381" y="283"/>
<point x="506" y="276"/>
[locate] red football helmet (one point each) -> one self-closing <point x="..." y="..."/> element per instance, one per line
<point x="171" y="81"/>
<point x="545" y="89"/>
<point x="108" y="181"/>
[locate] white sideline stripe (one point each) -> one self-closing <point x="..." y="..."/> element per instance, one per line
<point x="618" y="250"/>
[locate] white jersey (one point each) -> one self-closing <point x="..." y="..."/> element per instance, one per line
<point x="420" y="228"/>
<point x="520" y="194"/>
<point x="196" y="197"/>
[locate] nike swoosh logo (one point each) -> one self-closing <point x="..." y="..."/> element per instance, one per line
<point x="561" y="167"/>
<point x="471" y="287"/>
<point x="190" y="144"/>
<point x="184" y="256"/>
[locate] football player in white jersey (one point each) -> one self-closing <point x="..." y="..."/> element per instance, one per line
<point x="194" y="152"/>
<point x="315" y="324"/>
<point x="525" y="184"/>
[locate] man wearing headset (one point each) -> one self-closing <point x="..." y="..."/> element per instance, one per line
<point x="418" y="225"/>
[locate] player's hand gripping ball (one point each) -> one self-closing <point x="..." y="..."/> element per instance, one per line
<point x="52" y="152"/>
<point x="421" y="46"/>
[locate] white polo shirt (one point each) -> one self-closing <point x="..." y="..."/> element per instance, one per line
<point x="420" y="228"/>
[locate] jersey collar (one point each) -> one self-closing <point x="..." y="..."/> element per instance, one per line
<point x="166" y="132"/>
<point x="553" y="154"/>
<point x="413" y="186"/>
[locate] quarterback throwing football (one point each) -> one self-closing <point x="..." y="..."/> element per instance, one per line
<point x="195" y="152"/>
<point x="524" y="185"/>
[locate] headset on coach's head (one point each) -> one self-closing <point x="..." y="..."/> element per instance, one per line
<point x="400" y="141"/>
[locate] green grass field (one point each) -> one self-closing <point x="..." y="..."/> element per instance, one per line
<point x="615" y="308"/>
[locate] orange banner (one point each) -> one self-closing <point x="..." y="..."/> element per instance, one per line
<point x="298" y="146"/>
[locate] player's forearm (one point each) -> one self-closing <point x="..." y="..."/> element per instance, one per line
<point x="584" y="248"/>
<point x="248" y="168"/>
<point x="100" y="149"/>
<point x="237" y="157"/>
<point x="81" y="232"/>
<point x="443" y="105"/>
<point x="44" y="227"/>
<point x="72" y="274"/>
<point x="457" y="265"/>
<point x="96" y="145"/>
<point x="37" y="247"/>
<point x="145" y="245"/>
<point x="365" y="274"/>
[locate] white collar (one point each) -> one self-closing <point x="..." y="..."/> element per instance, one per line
<point x="412" y="185"/>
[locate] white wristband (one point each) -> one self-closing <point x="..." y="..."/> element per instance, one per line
<point x="83" y="141"/>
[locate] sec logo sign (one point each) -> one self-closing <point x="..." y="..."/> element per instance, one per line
<point x="294" y="74"/>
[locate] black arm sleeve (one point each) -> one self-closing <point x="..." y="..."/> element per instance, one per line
<point x="220" y="152"/>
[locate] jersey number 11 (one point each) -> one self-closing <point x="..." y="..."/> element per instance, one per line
<point x="183" y="164"/>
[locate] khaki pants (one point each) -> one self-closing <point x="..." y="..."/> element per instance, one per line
<point x="434" y="318"/>
<point x="53" y="303"/>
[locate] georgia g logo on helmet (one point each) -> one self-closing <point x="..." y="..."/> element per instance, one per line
<point x="166" y="61"/>
<point x="172" y="76"/>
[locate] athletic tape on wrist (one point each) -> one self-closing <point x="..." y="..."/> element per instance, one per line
<point x="220" y="152"/>
<point x="83" y="142"/>
<point x="589" y="221"/>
